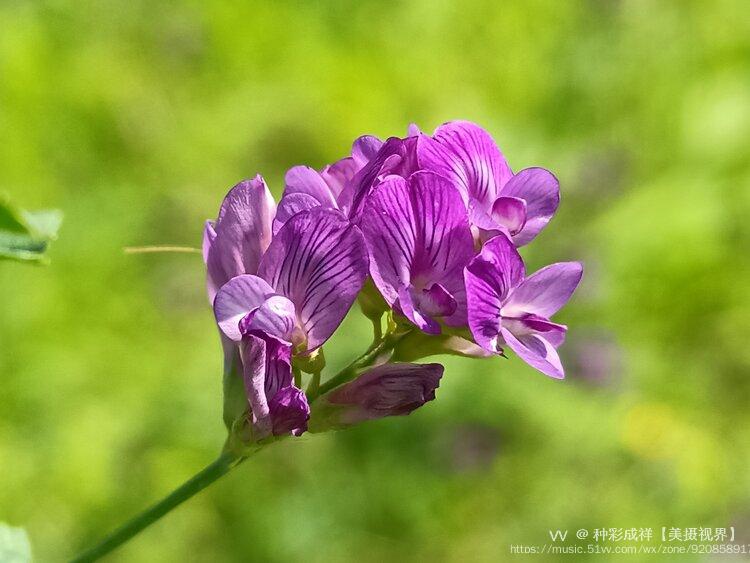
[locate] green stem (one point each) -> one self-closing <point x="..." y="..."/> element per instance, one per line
<point x="377" y="328"/>
<point x="223" y="464"/>
<point x="314" y="385"/>
<point x="227" y="460"/>
<point x="365" y="360"/>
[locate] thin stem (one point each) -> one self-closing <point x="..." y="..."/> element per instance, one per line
<point x="228" y="460"/>
<point x="377" y="328"/>
<point x="152" y="249"/>
<point x="223" y="464"/>
<point x="314" y="385"/>
<point x="365" y="360"/>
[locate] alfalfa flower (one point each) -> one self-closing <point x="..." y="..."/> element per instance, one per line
<point x="418" y="235"/>
<point x="518" y="204"/>
<point x="506" y="307"/>
<point x="307" y="280"/>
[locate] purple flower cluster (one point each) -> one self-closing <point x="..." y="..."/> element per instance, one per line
<point x="434" y="221"/>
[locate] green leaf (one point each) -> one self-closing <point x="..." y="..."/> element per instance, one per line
<point x="14" y="545"/>
<point x="25" y="235"/>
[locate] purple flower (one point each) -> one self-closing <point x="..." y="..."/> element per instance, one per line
<point x="386" y="390"/>
<point x="394" y="157"/>
<point x="505" y="307"/>
<point x="345" y="184"/>
<point x="419" y="241"/>
<point x="306" y="188"/>
<point x="307" y="280"/>
<point x="235" y="242"/>
<point x="278" y="407"/>
<point x="282" y="280"/>
<point x="497" y="200"/>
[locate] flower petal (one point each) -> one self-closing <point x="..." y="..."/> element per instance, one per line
<point x="535" y="351"/>
<point x="353" y="196"/>
<point x="435" y="156"/>
<point x="408" y="163"/>
<point x="275" y="403"/>
<point x="483" y="303"/>
<point x="275" y="317"/>
<point x="553" y="333"/>
<point x="253" y="354"/>
<point x="436" y="301"/>
<point x="236" y="299"/>
<point x="418" y="235"/>
<point x="465" y="152"/>
<point x="365" y="148"/>
<point x="337" y="175"/>
<point x="444" y="241"/>
<point x="319" y="261"/>
<point x="209" y="236"/>
<point x="479" y="217"/>
<point x="406" y="303"/>
<point x="305" y="180"/>
<point x="489" y="277"/>
<point x="243" y="231"/>
<point x="389" y="226"/>
<point x="422" y="306"/>
<point x="544" y="292"/>
<point x="541" y="191"/>
<point x="499" y="265"/>
<point x="289" y="411"/>
<point x="278" y="365"/>
<point x="510" y="212"/>
<point x="290" y="205"/>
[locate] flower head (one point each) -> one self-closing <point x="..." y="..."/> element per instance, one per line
<point x="412" y="212"/>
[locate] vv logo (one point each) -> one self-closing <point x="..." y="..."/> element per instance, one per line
<point x="558" y="535"/>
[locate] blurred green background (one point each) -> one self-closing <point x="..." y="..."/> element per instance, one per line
<point x="136" y="117"/>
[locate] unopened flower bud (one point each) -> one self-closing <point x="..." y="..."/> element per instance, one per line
<point x="386" y="390"/>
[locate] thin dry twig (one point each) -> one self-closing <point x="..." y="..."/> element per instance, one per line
<point x="154" y="249"/>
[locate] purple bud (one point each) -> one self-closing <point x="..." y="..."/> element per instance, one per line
<point x="387" y="390"/>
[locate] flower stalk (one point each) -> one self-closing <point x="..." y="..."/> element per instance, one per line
<point x="230" y="458"/>
<point x="211" y="473"/>
<point x="382" y="347"/>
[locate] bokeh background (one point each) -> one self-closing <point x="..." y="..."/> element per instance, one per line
<point x="135" y="118"/>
